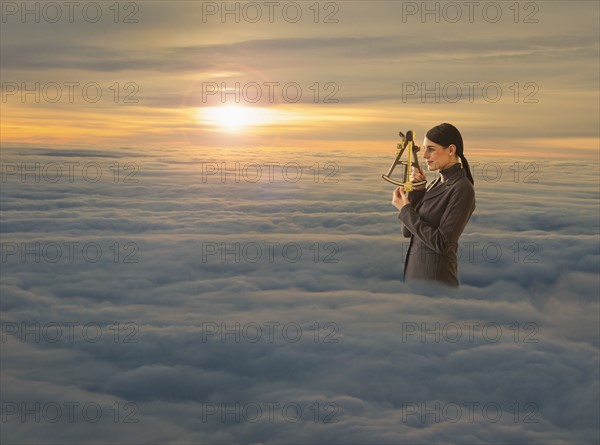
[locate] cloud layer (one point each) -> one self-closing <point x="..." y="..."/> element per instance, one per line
<point x="329" y="346"/>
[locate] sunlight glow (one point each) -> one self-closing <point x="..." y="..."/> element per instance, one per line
<point x="236" y="118"/>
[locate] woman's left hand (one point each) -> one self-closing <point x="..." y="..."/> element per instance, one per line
<point x="399" y="198"/>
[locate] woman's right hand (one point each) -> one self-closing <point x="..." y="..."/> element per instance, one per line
<point x="417" y="176"/>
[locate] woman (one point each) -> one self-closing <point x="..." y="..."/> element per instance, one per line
<point x="434" y="216"/>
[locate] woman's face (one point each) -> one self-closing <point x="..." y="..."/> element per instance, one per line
<point x="437" y="156"/>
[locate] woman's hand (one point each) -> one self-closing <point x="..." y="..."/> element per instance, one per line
<point x="399" y="198"/>
<point x="417" y="176"/>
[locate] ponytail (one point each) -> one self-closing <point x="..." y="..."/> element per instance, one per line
<point x="465" y="165"/>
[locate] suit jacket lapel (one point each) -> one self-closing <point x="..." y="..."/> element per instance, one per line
<point x="433" y="183"/>
<point x="437" y="189"/>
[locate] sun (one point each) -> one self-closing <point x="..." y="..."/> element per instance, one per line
<point x="234" y="117"/>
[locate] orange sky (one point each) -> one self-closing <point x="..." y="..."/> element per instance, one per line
<point x="184" y="75"/>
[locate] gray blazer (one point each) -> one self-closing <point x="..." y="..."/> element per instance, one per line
<point x="434" y="221"/>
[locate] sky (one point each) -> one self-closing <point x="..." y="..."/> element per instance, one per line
<point x="187" y="269"/>
<point x="340" y="74"/>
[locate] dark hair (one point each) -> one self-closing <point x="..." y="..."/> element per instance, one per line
<point x="447" y="134"/>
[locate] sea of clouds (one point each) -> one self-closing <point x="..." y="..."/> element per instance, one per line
<point x="146" y="298"/>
